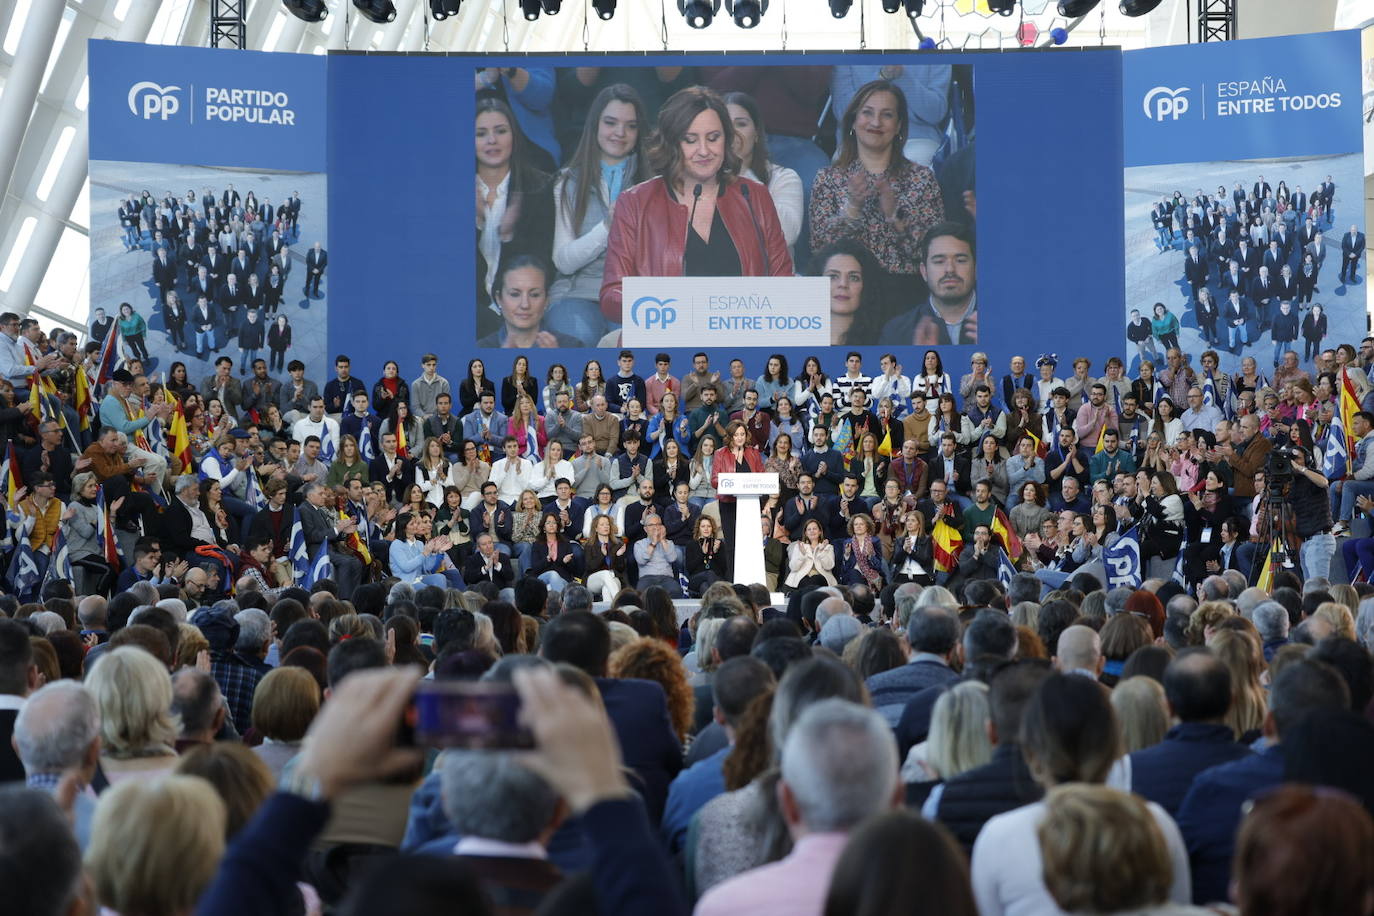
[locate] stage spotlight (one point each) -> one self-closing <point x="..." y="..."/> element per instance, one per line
<point x="378" y="11"/>
<point x="551" y="7"/>
<point x="1002" y="7"/>
<point x="530" y="9"/>
<point x="913" y="8"/>
<point x="308" y="10"/>
<point x="840" y="8"/>
<point x="698" y="13"/>
<point x="1138" y="7"/>
<point x="605" y="9"/>
<point x="442" y="9"/>
<point x="746" y="13"/>
<point x="1076" y="8"/>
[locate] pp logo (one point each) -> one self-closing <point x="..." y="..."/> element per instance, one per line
<point x="649" y="313"/>
<point x="1162" y="102"/>
<point x="149" y="100"/>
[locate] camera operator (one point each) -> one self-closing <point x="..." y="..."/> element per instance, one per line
<point x="1308" y="501"/>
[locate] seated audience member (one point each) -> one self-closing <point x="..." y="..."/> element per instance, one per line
<point x="839" y="766"/>
<point x="56" y="733"/>
<point x="933" y="633"/>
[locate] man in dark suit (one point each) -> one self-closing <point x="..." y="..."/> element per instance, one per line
<point x="230" y="198"/>
<point x="208" y="202"/>
<point x="316" y="259"/>
<point x="1279" y="233"/>
<point x="182" y="526"/>
<point x="215" y="264"/>
<point x="1198" y="687"/>
<point x="1287" y="285"/>
<point x="190" y="254"/>
<point x="252" y="249"/>
<point x="951" y="467"/>
<point x="1261" y="188"/>
<point x="803" y="507"/>
<point x="488" y="564"/>
<point x="1274" y="257"/>
<point x="1307" y="233"/>
<point x="251" y="296"/>
<point x="241" y="266"/>
<point x="1195" y="269"/>
<point x="1317" y="249"/>
<point x="1247" y="257"/>
<point x="19" y="677"/>
<point x="283" y="262"/>
<point x="933" y="633"/>
<point x="637" y="709"/>
<point x="321" y="525"/>
<point x="229" y="299"/>
<point x="164" y="272"/>
<point x="274" y="244"/>
<point x="493" y="517"/>
<point x="844" y="506"/>
<point x="1222" y="249"/>
<point x="267" y="212"/>
<point x="823" y="463"/>
<point x="1262" y="290"/>
<point x="1234" y="315"/>
<point x="1234" y="278"/>
<point x="205" y="323"/>
<point x="1352" y="246"/>
<point x="1299" y="199"/>
<point x="1327" y="189"/>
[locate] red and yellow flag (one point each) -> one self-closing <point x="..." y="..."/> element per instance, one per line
<point x="1041" y="449"/>
<point x="401" y="440"/>
<point x="947" y="542"/>
<point x="1004" y="532"/>
<point x="885" y="447"/>
<point x="82" y="398"/>
<point x="1349" y="405"/>
<point x="1271" y="566"/>
<point x="179" y="438"/>
<point x="12" y="479"/>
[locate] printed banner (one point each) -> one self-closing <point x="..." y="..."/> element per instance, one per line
<point x="1244" y="217"/>
<point x="704" y="312"/>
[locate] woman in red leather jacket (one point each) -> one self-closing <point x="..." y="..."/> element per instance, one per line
<point x="736" y="456"/>
<point x="698" y="218"/>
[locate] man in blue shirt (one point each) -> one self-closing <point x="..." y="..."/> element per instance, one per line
<point x="735" y="685"/>
<point x="1211" y="811"/>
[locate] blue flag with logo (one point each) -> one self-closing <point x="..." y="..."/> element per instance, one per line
<point x="1122" y="560"/>
<point x="1336" y="458"/>
<point x="1180" y="575"/>
<point x="300" y="557"/>
<point x="1209" y="392"/>
<point x="60" y="563"/>
<point x="23" y="574"/>
<point x="1006" y="570"/>
<point x="320" y="567"/>
<point x="328" y="448"/>
<point x="365" y="448"/>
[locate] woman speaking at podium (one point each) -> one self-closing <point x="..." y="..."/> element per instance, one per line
<point x="735" y="456"/>
<point x="698" y="217"/>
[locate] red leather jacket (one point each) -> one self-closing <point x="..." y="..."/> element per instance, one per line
<point x="649" y="235"/>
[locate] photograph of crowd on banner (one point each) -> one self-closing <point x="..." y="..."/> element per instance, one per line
<point x="1258" y="259"/>
<point x="192" y="266"/>
<point x="861" y="174"/>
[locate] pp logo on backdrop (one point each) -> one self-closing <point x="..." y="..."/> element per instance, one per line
<point x="1162" y="102"/>
<point x="649" y="312"/>
<point x="149" y="100"/>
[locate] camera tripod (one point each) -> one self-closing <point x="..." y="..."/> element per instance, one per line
<point x="1275" y="537"/>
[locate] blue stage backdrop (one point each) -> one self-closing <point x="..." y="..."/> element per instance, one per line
<point x="412" y="252"/>
<point x="194" y="149"/>
<point x="1258" y="141"/>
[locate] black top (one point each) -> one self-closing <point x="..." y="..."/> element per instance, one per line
<point x="716" y="258"/>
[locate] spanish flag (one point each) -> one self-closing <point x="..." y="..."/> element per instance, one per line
<point x="357" y="543"/>
<point x="12" y="479"/>
<point x="1041" y="449"/>
<point x="401" y="440"/>
<point x="947" y="542"/>
<point x="1101" y="438"/>
<point x="1003" y="531"/>
<point x="1350" y="405"/>
<point x="179" y="438"/>
<point x="82" y="398"/>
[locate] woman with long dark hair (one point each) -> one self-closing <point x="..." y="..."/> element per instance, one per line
<point x="698" y="217"/>
<point x="609" y="159"/>
<point x="514" y="203"/>
<point x="851" y="270"/>
<point x="477" y="383"/>
<point x="751" y="145"/>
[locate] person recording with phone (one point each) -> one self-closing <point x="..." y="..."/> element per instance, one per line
<point x="699" y="217"/>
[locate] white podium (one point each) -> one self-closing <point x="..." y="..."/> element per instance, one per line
<point x="746" y="489"/>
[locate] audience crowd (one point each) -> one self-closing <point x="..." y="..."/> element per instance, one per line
<point x="939" y="699"/>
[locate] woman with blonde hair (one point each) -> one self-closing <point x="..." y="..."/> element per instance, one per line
<point x="958" y="739"/>
<point x="1141" y="711"/>
<point x="138" y="730"/>
<point x="156" y="844"/>
<point x="1338" y="617"/>
<point x="603" y="557"/>
<point x="1243" y="656"/>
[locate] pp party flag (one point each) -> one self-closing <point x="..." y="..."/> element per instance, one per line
<point x="1006" y="570"/>
<point x="328" y="449"/>
<point x="1209" y="391"/>
<point x="531" y="444"/>
<point x="60" y="562"/>
<point x="105" y="534"/>
<point x="23" y="574"/>
<point x="885" y="447"/>
<point x="946" y="542"/>
<point x="320" y="568"/>
<point x="1002" y="529"/>
<point x="1122" y="560"/>
<point x="1336" y="458"/>
<point x="1180" y="574"/>
<point x="365" y="447"/>
<point x="252" y="492"/>
<point x="299" y="556"/>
